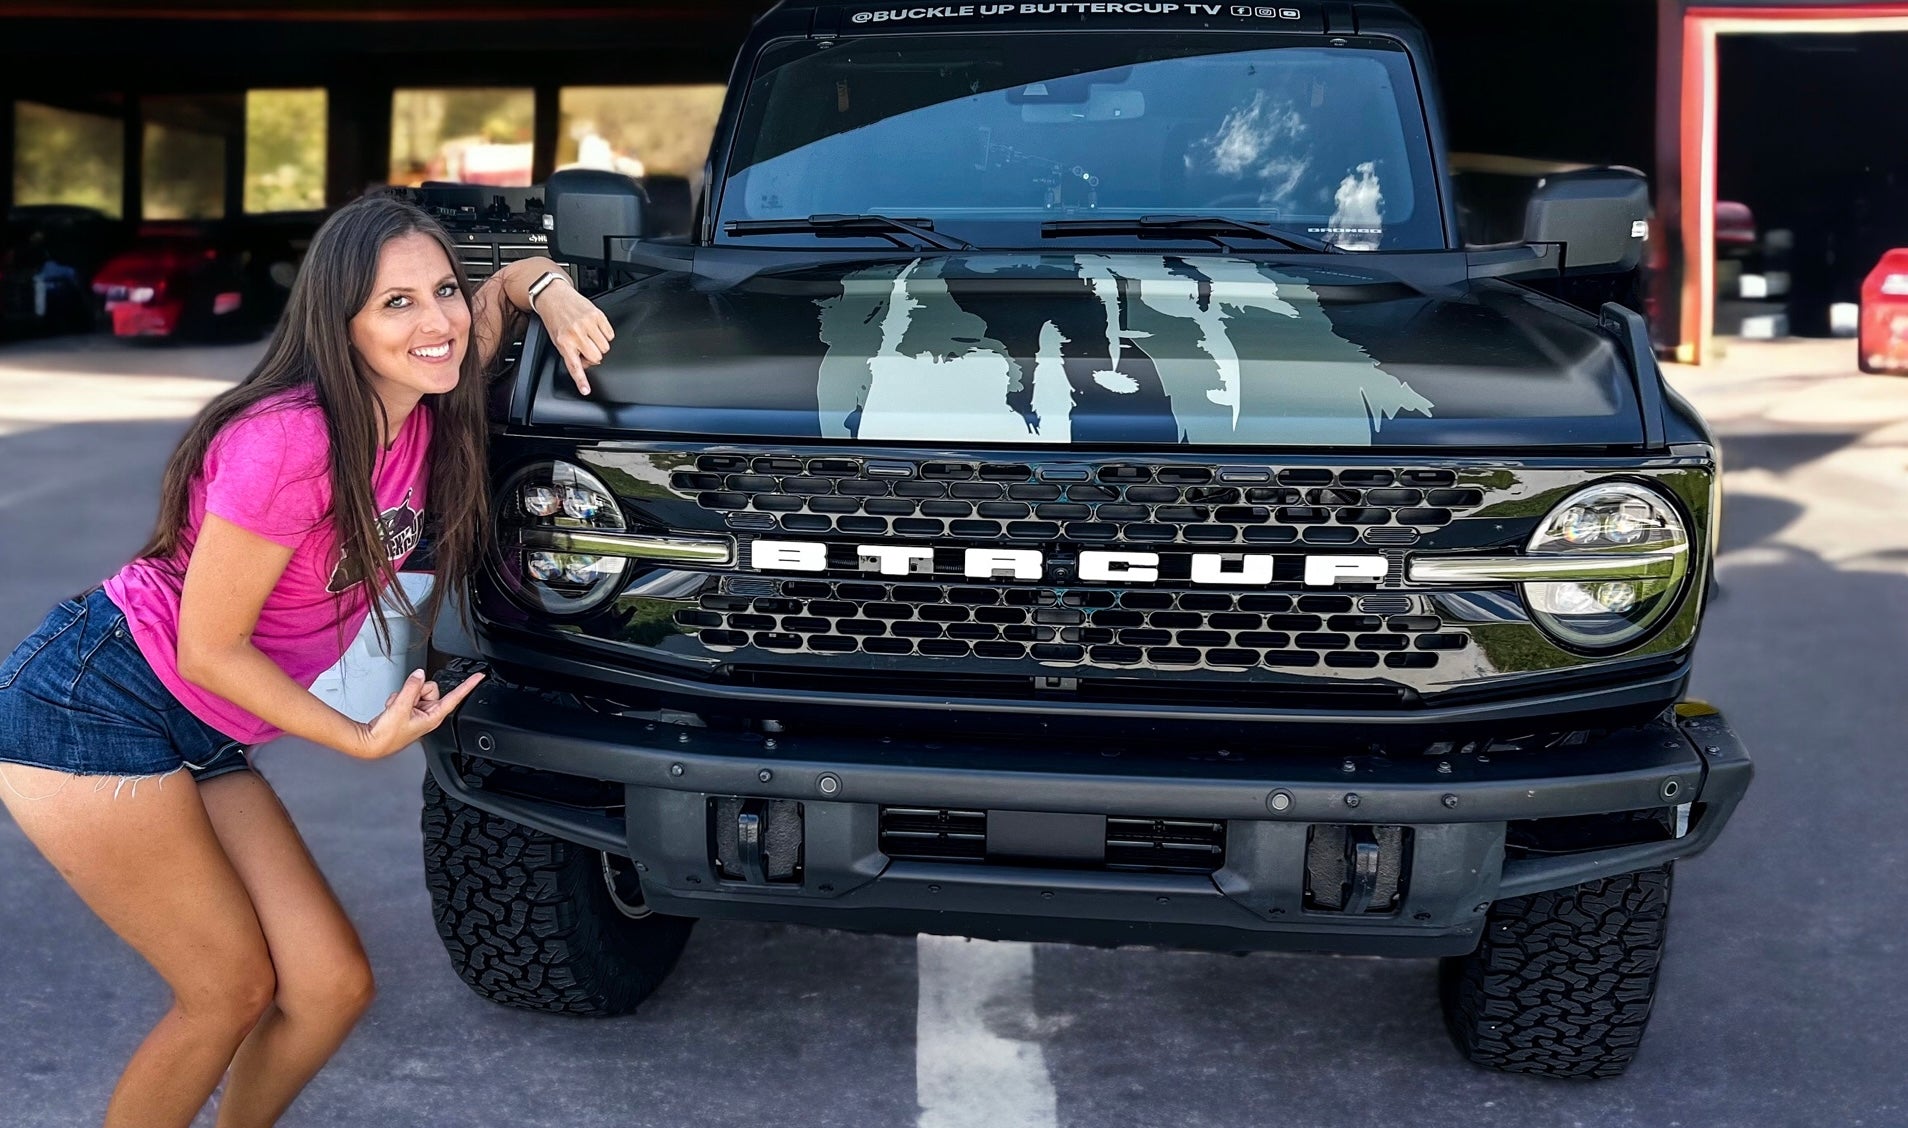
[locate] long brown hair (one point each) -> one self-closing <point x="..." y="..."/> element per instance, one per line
<point x="311" y="351"/>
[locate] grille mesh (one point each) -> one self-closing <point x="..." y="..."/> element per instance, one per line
<point x="1131" y="503"/>
<point x="1155" y="628"/>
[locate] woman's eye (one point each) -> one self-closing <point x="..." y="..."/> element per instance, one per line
<point x="446" y="290"/>
<point x="397" y="302"/>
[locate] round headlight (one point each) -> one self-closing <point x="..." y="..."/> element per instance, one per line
<point x="1613" y="520"/>
<point x="537" y="505"/>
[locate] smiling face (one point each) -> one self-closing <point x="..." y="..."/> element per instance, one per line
<point x="411" y="335"/>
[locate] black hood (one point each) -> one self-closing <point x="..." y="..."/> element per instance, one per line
<point x="1101" y="350"/>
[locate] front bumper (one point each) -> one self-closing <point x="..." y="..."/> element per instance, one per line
<point x="1455" y="810"/>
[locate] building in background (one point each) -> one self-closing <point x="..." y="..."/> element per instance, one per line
<point x="1767" y="127"/>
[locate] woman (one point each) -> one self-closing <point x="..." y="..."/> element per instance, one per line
<point x="125" y="718"/>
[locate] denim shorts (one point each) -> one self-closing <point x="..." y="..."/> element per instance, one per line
<point x="77" y="696"/>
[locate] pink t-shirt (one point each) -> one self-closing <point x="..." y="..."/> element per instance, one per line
<point x="269" y="471"/>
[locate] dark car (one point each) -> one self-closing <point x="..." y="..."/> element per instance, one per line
<point x="1074" y="484"/>
<point x="203" y="280"/>
<point x="48" y="253"/>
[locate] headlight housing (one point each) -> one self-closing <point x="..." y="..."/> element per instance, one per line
<point x="1626" y="523"/>
<point x="537" y="506"/>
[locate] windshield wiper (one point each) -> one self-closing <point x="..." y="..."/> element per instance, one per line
<point x="1214" y="227"/>
<point x="832" y="223"/>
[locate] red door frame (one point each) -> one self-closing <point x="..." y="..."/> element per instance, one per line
<point x="1694" y="190"/>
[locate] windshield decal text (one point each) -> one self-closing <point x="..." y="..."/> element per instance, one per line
<point x="1100" y="8"/>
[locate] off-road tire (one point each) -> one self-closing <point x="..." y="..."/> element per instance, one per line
<point x="528" y="920"/>
<point x="1562" y="982"/>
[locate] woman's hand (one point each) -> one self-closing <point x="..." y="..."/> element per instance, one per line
<point x="415" y="709"/>
<point x="580" y="332"/>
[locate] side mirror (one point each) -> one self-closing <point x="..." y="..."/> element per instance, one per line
<point x="589" y="205"/>
<point x="1600" y="215"/>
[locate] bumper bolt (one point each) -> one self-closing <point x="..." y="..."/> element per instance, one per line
<point x="1420" y="917"/>
<point x="484" y="743"/>
<point x="1444" y="767"/>
<point x="770" y="744"/>
<point x="1450" y="801"/>
<point x="934" y="889"/>
<point x="1482" y="908"/>
<point x="764" y="776"/>
<point x="1348" y="766"/>
<point x="1351" y="799"/>
<point x="682" y="738"/>
<point x="1046" y="894"/>
<point x="642" y="867"/>
<point x="824" y="889"/>
<point x="1162" y="900"/>
<point x="1279" y="801"/>
<point x="828" y="784"/>
<point x="675" y="769"/>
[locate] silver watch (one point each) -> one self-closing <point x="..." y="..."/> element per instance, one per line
<point x="543" y="283"/>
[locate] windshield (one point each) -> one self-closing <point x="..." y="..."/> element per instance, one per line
<point x="987" y="136"/>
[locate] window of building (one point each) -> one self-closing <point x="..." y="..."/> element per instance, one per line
<point x="184" y="147"/>
<point x="468" y="135"/>
<point x="284" y="150"/>
<point x="67" y="157"/>
<point x="639" y="130"/>
<point x="184" y="174"/>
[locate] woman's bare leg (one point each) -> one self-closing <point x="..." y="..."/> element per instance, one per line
<point x="146" y="860"/>
<point x="324" y="981"/>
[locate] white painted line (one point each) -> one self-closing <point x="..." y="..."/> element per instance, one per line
<point x="974" y="1063"/>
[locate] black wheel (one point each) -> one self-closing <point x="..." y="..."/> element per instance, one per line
<point x="535" y="922"/>
<point x="1562" y="982"/>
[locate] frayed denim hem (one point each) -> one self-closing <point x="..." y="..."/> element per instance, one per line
<point x="127" y="784"/>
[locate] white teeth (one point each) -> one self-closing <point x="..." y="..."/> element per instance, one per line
<point x="433" y="352"/>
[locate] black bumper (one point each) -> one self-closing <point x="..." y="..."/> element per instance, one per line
<point x="1455" y="809"/>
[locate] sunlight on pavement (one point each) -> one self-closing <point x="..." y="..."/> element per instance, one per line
<point x="1851" y="509"/>
<point x="87" y="380"/>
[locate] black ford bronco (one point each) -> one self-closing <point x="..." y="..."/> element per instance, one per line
<point x="1074" y="484"/>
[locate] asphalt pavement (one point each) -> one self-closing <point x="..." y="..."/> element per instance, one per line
<point x="1783" y="1000"/>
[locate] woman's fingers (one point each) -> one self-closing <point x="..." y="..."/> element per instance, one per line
<point x="580" y="332"/>
<point x="440" y="710"/>
<point x="574" y="363"/>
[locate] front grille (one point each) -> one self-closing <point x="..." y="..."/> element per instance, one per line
<point x="1170" y="845"/>
<point x="933" y="834"/>
<point x="939" y="834"/>
<point x="1073" y="626"/>
<point x="1130" y="503"/>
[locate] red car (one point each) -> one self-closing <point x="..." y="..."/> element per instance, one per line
<point x="173" y="282"/>
<point x="1884" y="324"/>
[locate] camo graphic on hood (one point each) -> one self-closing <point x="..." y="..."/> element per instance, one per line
<point x="1237" y="352"/>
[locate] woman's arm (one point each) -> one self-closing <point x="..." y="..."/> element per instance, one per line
<point x="578" y="330"/>
<point x="230" y="574"/>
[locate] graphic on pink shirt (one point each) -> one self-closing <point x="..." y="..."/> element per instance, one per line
<point x="269" y="472"/>
<point x="399" y="528"/>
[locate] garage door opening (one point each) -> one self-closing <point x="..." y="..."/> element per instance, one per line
<point x="1811" y="180"/>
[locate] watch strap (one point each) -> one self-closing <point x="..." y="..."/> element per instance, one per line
<point x="543" y="283"/>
